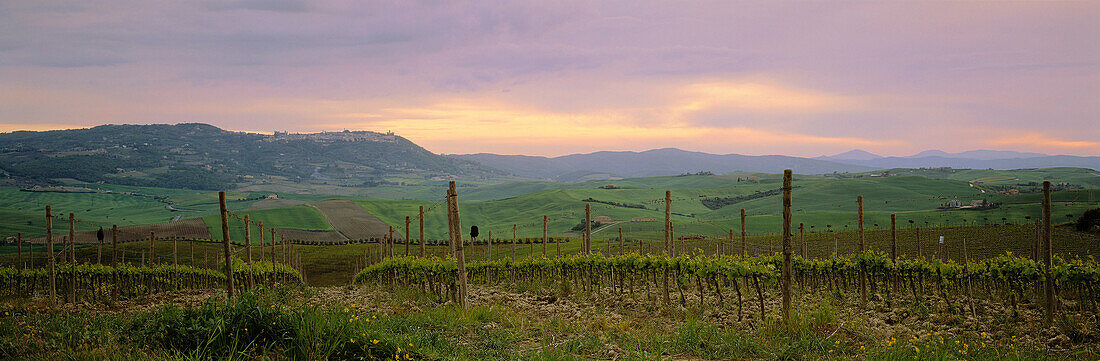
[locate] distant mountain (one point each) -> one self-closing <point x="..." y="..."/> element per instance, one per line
<point x="855" y="154"/>
<point x="657" y="162"/>
<point x="967" y="163"/>
<point x="971" y="159"/>
<point x="201" y="156"/>
<point x="980" y="154"/>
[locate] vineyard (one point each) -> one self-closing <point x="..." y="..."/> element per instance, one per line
<point x="794" y="290"/>
<point x="1006" y="279"/>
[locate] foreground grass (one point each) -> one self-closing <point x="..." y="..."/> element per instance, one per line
<point x="404" y="324"/>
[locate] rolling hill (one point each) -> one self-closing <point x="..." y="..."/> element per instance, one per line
<point x="201" y="156"/>
<point x="656" y="162"/>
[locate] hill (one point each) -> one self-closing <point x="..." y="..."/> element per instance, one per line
<point x="656" y="162"/>
<point x="201" y="156"/>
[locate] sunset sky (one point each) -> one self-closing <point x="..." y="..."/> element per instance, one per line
<point x="553" y="78"/>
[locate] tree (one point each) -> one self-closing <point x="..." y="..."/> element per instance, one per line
<point x="1089" y="221"/>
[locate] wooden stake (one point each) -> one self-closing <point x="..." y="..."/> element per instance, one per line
<point x="587" y="228"/>
<point x="894" y="238"/>
<point x="456" y="239"/>
<point x="489" y="252"/>
<point x="513" y="242"/>
<point x="390" y="241"/>
<point x="728" y="249"/>
<point x="114" y="261"/>
<point x="802" y="239"/>
<point x="862" y="268"/>
<point x="544" y="220"/>
<point x="408" y="220"/>
<point x="622" y="242"/>
<point x="72" y="259"/>
<point x="247" y="247"/>
<point x="920" y="253"/>
<point x="99" y="246"/>
<point x="260" y="224"/>
<point x="668" y="222"/>
<point x="742" y="233"/>
<point x="114" y="245"/>
<point x="786" y="245"/>
<point x="49" y="256"/>
<point x="19" y="251"/>
<point x="1048" y="256"/>
<point x="152" y="237"/>
<point x="225" y="244"/>
<point x="969" y="283"/>
<point x="423" y="250"/>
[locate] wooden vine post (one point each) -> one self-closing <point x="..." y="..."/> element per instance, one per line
<point x="969" y="283"/>
<point x="514" y="245"/>
<point x="273" y="257"/>
<point x="114" y="245"/>
<point x="423" y="250"/>
<point x="668" y="222"/>
<point x="19" y="251"/>
<point x="894" y="238"/>
<point x="247" y="247"/>
<point x="544" y="220"/>
<point x="30" y="255"/>
<point x="587" y="228"/>
<point x="1048" y="257"/>
<point x="225" y="244"/>
<point x="862" y="248"/>
<point x="742" y="233"/>
<point x="72" y="258"/>
<point x="786" y="246"/>
<point x="98" y="246"/>
<point x="802" y="239"/>
<point x="456" y="240"/>
<point x="389" y="242"/>
<point x="920" y="253"/>
<point x="152" y="237"/>
<point x="260" y="227"/>
<point x="408" y="220"/>
<point x="621" y="241"/>
<point x="175" y="260"/>
<point x="489" y="250"/>
<point x="49" y="256"/>
<point x="114" y="260"/>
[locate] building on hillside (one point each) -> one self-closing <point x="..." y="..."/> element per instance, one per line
<point x="977" y="203"/>
<point x="643" y="219"/>
<point x="602" y="219"/>
<point x="954" y="203"/>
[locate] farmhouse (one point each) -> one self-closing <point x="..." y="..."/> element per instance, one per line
<point x="643" y="219"/>
<point x="602" y="219"/>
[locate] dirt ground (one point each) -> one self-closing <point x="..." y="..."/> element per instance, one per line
<point x="351" y="220"/>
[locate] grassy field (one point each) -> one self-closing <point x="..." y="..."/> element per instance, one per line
<point x="300" y="217"/>
<point x="819" y="202"/>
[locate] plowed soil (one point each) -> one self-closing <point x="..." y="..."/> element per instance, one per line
<point x="353" y="221"/>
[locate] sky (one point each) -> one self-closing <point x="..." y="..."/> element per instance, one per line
<point x="560" y="77"/>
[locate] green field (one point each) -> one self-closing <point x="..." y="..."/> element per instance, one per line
<point x="820" y="203"/>
<point x="296" y="217"/>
